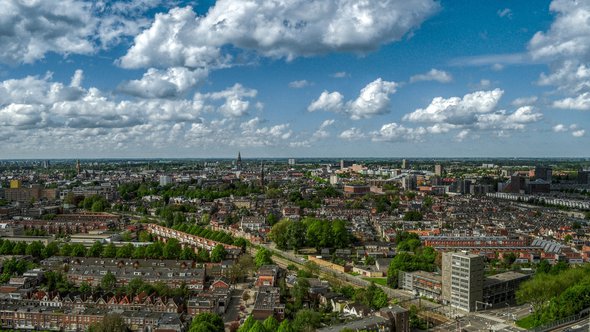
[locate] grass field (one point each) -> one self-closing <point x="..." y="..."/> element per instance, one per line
<point x="378" y="281"/>
<point x="526" y="322"/>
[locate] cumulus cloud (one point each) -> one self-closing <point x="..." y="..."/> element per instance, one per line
<point x="299" y="84"/>
<point x="581" y="102"/>
<point x="373" y="100"/>
<point x="522" y="101"/>
<point x="457" y="110"/>
<point x="169" y="83"/>
<point x="322" y="131"/>
<point x="327" y="101"/>
<point x="279" y="29"/>
<point x="393" y="132"/>
<point x="473" y="112"/>
<point x="30" y="29"/>
<point x="566" y="46"/>
<point x="569" y="34"/>
<point x="579" y="133"/>
<point x="253" y="135"/>
<point x="462" y="135"/>
<point x="560" y="128"/>
<point x="433" y="75"/>
<point x="568" y="76"/>
<point x="352" y="134"/>
<point x="234" y="97"/>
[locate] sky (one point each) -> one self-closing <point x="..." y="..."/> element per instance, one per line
<point x="294" y="78"/>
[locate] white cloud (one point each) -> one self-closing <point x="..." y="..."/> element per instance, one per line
<point x="433" y="75"/>
<point x="352" y="134"/>
<point x="299" y="84"/>
<point x="393" y="132"/>
<point x="581" y="102"/>
<point x="522" y="101"/>
<point x="235" y="104"/>
<point x="279" y="29"/>
<point x="560" y="128"/>
<point x="30" y="29"/>
<point x="569" y="34"/>
<point x="322" y="131"/>
<point x="476" y="111"/>
<point x="497" y="67"/>
<point x="340" y="74"/>
<point x="327" y="101"/>
<point x="169" y="83"/>
<point x="506" y="12"/>
<point x="569" y="76"/>
<point x="579" y="133"/>
<point x="462" y="135"/>
<point x="373" y="100"/>
<point x="456" y="110"/>
<point x="254" y="136"/>
<point x="566" y="46"/>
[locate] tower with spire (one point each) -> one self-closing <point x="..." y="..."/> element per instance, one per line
<point x="78" y="168"/>
<point x="239" y="162"/>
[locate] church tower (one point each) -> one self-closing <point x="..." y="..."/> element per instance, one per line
<point x="239" y="162"/>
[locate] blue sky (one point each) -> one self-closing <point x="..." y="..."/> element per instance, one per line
<point x="294" y="78"/>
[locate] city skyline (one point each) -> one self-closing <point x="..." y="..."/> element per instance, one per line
<point x="338" y="78"/>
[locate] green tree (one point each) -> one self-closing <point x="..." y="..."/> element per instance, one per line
<point x="306" y="320"/>
<point x="263" y="257"/>
<point x="285" y="326"/>
<point x="188" y="253"/>
<point x="110" y="323"/>
<point x="271" y="324"/>
<point x="78" y="250"/>
<point x="125" y="251"/>
<point x="247" y="325"/>
<point x="218" y="253"/>
<point x="413" y="216"/>
<point x="110" y="251"/>
<point x="278" y="234"/>
<point x="172" y="249"/>
<point x="203" y="256"/>
<point x="257" y="327"/>
<point x="51" y="249"/>
<point x="35" y="249"/>
<point x="95" y="250"/>
<point x="207" y="322"/>
<point x="108" y="282"/>
<point x="85" y="287"/>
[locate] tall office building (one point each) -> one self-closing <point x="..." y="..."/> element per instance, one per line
<point x="405" y="164"/>
<point x="583" y="176"/>
<point x="462" y="280"/>
<point x="165" y="180"/>
<point x="543" y="173"/>
<point x="438" y="170"/>
<point x="291" y="161"/>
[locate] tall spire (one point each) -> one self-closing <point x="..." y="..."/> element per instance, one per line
<point x="239" y="162"/>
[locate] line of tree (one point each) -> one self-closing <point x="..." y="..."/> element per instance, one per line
<point x="196" y="230"/>
<point x="310" y="232"/>
<point x="304" y="320"/>
<point x="156" y="250"/>
<point x="14" y="267"/>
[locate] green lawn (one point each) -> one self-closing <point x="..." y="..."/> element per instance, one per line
<point x="378" y="281"/>
<point x="527" y="322"/>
